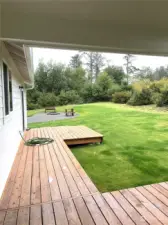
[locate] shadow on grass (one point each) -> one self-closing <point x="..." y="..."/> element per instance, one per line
<point x="156" y="146"/>
<point x="147" y="159"/>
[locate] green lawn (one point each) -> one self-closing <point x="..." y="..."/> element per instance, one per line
<point x="135" y="147"/>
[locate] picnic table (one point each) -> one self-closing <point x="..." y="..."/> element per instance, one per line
<point x="50" y="108"/>
<point x="69" y="112"/>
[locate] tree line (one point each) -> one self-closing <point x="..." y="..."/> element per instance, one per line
<point x="88" y="78"/>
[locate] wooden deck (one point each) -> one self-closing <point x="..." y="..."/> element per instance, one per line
<point x="74" y="135"/>
<point x="48" y="186"/>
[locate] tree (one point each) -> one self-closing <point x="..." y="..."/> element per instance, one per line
<point x="104" y="81"/>
<point x="50" y="77"/>
<point x="98" y="63"/>
<point x="130" y="69"/>
<point x="41" y="77"/>
<point x="145" y="73"/>
<point x="89" y="64"/>
<point x="116" y="73"/>
<point x="75" y="61"/>
<point x="56" y="80"/>
<point x="101" y="88"/>
<point x="75" y="78"/>
<point x="94" y="64"/>
<point x="160" y="73"/>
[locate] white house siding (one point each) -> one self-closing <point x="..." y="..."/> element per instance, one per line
<point x="9" y="125"/>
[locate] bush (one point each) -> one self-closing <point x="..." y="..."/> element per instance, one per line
<point x="69" y="97"/>
<point x="125" y="87"/>
<point x="142" y="97"/>
<point x="121" y="97"/>
<point x="115" y="88"/>
<point x="87" y="94"/>
<point x="48" y="99"/>
<point x="102" y="88"/>
<point x="32" y="99"/>
<point x="159" y="86"/>
<point x="31" y="106"/>
<point x="162" y="99"/>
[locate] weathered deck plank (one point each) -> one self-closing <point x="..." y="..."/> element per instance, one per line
<point x="118" y="210"/>
<point x="130" y="210"/>
<point x="138" y="205"/>
<point x="2" y="217"/>
<point x="23" y="216"/>
<point x="6" y="195"/>
<point x="35" y="215"/>
<point x="11" y="217"/>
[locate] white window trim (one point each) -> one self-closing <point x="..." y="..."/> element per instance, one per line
<point x="6" y="118"/>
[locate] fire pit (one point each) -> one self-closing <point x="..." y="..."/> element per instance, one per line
<point x="53" y="113"/>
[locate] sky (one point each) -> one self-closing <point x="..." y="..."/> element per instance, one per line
<point x="64" y="56"/>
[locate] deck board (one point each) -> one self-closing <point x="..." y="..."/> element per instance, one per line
<point x="11" y="218"/>
<point x="48" y="214"/>
<point x="138" y="205"/>
<point x="2" y="217"/>
<point x="47" y="185"/>
<point x="35" y="215"/>
<point x="152" y="208"/>
<point x="35" y="187"/>
<point x="130" y="210"/>
<point x="60" y="214"/>
<point x="118" y="210"/>
<point x="23" y="216"/>
<point x="95" y="211"/>
<point x="106" y="210"/>
<point x="76" y="176"/>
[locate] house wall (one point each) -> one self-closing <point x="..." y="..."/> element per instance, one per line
<point x="11" y="124"/>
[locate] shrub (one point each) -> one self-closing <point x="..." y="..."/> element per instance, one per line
<point x="115" y="88"/>
<point x="73" y="97"/>
<point x="159" y="86"/>
<point x="125" y="87"/>
<point x="31" y="106"/>
<point x="63" y="98"/>
<point x="32" y="99"/>
<point x="101" y="88"/>
<point x="69" y="97"/>
<point x="162" y="99"/>
<point x="142" y="97"/>
<point x="87" y="93"/>
<point x="97" y="93"/>
<point x="121" y="97"/>
<point x="48" y="99"/>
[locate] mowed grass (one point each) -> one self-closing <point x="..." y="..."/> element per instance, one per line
<point x="135" y="147"/>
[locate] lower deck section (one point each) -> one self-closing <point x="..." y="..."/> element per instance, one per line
<point x="76" y="135"/>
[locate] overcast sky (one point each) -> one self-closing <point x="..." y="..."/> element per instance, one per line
<point x="64" y="56"/>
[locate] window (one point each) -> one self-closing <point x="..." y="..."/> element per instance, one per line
<point x="8" y="100"/>
<point x="10" y="92"/>
<point x="6" y="97"/>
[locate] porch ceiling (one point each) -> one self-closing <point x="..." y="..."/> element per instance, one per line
<point x="116" y="26"/>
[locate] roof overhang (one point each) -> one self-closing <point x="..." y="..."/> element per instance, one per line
<point x="22" y="57"/>
<point x="138" y="27"/>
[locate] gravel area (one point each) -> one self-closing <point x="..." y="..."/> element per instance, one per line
<point x="44" y="117"/>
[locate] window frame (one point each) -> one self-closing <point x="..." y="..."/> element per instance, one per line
<point x="7" y="96"/>
<point x="10" y="84"/>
